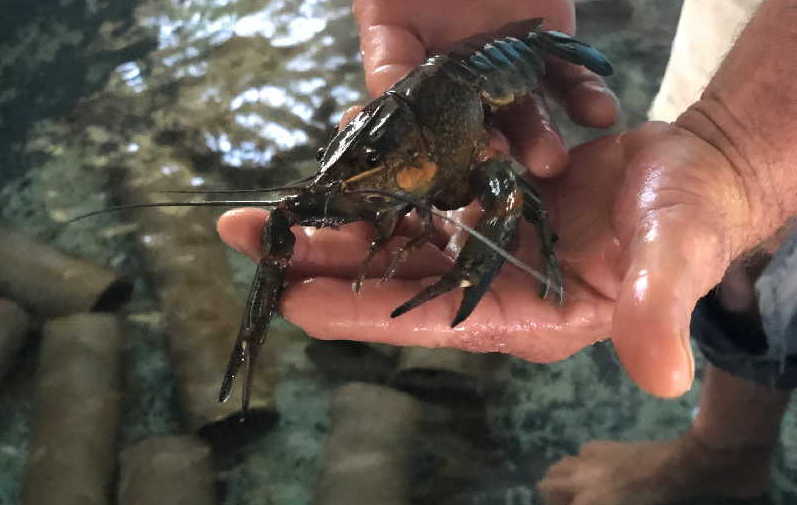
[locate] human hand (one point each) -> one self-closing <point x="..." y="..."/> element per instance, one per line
<point x="648" y="222"/>
<point x="395" y="37"/>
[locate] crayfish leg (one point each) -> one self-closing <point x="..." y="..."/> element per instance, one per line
<point x="414" y="243"/>
<point x="477" y="263"/>
<point x="277" y="243"/>
<point x="534" y="213"/>
<point x="384" y="224"/>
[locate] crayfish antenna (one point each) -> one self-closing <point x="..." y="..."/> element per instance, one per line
<point x="229" y="191"/>
<point x="213" y="203"/>
<point x="295" y="185"/>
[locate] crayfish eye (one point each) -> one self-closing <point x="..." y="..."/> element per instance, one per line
<point x="372" y="159"/>
<point x="319" y="155"/>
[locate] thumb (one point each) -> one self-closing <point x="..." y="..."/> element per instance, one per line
<point x="674" y="261"/>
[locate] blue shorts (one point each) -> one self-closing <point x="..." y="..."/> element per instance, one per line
<point x="762" y="349"/>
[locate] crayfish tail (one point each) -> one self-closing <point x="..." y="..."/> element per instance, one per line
<point x="569" y="49"/>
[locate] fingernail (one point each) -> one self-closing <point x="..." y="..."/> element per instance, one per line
<point x="597" y="86"/>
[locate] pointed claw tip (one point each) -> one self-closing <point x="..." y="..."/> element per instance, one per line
<point x="237" y="358"/>
<point x="224" y="392"/>
<point x="399" y="311"/>
<point x="463" y="313"/>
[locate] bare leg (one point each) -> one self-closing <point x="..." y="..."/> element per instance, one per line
<point x="726" y="452"/>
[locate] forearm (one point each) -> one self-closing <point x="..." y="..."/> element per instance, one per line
<point x="749" y="113"/>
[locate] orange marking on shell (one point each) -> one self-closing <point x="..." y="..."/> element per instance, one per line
<point x="412" y="178"/>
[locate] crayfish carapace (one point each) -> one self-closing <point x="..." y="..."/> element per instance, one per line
<point x="422" y="145"/>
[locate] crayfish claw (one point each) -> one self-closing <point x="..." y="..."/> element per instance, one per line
<point x="250" y="373"/>
<point x="471" y="296"/>
<point x="264" y="295"/>
<point x="444" y="285"/>
<point x="238" y="357"/>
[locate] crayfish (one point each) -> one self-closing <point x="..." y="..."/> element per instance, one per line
<point x="421" y="145"/>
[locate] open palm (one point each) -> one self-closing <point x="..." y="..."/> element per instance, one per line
<point x="646" y="224"/>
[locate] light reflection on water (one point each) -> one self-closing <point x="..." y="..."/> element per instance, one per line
<point x="256" y="71"/>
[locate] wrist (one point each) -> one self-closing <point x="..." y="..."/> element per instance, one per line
<point x="748" y="113"/>
<point x="749" y="203"/>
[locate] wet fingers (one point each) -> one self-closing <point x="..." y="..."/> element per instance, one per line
<point x="336" y="253"/>
<point x="585" y="95"/>
<point x="533" y="136"/>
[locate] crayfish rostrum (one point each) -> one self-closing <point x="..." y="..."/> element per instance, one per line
<point x="421" y="145"/>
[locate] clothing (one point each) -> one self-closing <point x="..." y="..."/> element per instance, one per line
<point x="743" y="346"/>
<point x="706" y="32"/>
<point x="760" y="349"/>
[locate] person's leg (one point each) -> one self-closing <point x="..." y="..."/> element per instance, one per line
<point x="726" y="452"/>
<point x="737" y="425"/>
<point x="736" y="414"/>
